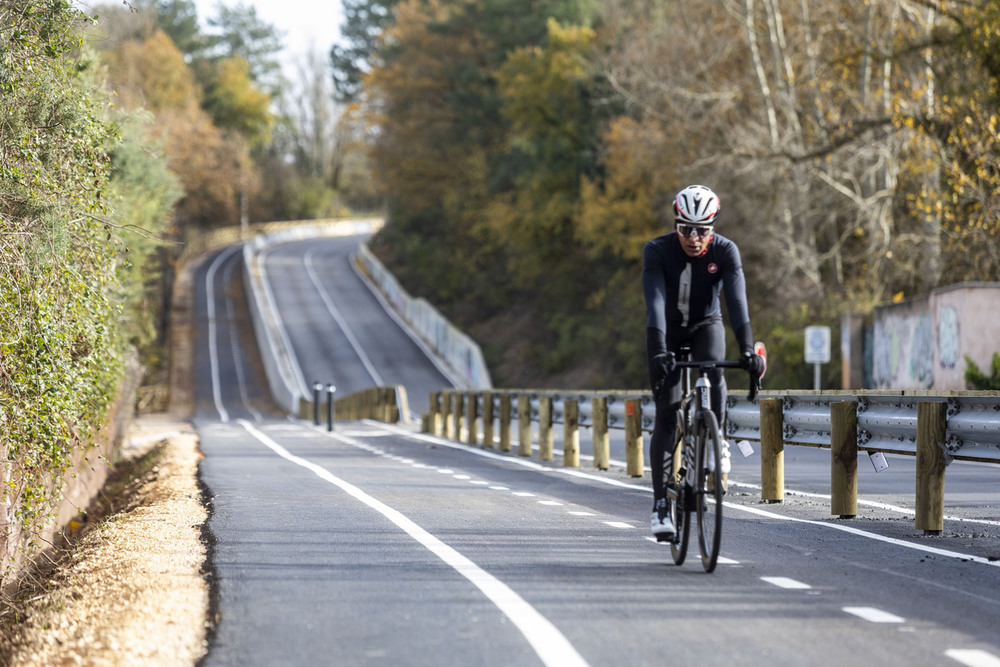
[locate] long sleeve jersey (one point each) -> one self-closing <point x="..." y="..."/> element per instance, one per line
<point x="682" y="291"/>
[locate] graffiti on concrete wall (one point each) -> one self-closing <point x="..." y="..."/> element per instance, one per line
<point x="903" y="351"/>
<point x="947" y="337"/>
<point x="923" y="343"/>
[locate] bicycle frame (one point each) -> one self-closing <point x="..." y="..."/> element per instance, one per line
<point x="696" y="464"/>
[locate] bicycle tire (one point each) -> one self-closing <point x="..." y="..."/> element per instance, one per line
<point x="708" y="494"/>
<point x="678" y="512"/>
<point x="682" y="528"/>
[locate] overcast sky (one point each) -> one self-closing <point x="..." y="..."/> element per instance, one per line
<point x="305" y="23"/>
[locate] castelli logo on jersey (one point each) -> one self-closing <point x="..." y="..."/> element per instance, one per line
<point x="713" y="267"/>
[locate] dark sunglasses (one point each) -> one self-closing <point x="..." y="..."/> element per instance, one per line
<point x="688" y="231"/>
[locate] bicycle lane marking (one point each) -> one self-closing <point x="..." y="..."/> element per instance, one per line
<point x="532" y="465"/>
<point x="863" y="533"/>
<point x="549" y="644"/>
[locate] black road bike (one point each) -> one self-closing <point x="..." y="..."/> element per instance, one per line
<point x="695" y="487"/>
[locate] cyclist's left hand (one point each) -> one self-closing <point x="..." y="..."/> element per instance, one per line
<point x="754" y="365"/>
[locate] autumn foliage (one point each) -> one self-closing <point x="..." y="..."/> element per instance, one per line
<point x="854" y="146"/>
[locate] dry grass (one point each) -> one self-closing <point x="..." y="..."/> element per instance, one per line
<point x="129" y="588"/>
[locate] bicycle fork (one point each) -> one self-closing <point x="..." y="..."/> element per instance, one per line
<point x="692" y="416"/>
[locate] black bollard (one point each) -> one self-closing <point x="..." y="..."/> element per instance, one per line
<point x="317" y="388"/>
<point x="330" y="390"/>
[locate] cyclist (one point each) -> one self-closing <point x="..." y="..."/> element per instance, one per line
<point x="683" y="273"/>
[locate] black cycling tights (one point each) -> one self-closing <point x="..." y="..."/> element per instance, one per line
<point x="708" y="342"/>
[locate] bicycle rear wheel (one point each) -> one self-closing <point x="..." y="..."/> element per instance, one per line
<point x="708" y="494"/>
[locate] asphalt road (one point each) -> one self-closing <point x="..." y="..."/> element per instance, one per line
<point x="376" y="544"/>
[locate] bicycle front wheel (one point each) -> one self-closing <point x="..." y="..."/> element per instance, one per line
<point x="708" y="494"/>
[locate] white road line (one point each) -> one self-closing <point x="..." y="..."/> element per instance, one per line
<point x="862" y="533"/>
<point x="973" y="657"/>
<point x="874" y="503"/>
<point x="551" y="645"/>
<point x="553" y="503"/>
<point x="455" y="379"/>
<point x="742" y="508"/>
<point x="213" y="353"/>
<point x="339" y="319"/>
<point x="581" y="513"/>
<point x="645" y="488"/>
<point x="874" y="615"/>
<point x="618" y="524"/>
<point x="785" y="582"/>
<point x="234" y="344"/>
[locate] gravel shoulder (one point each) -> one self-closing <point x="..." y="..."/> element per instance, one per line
<point x="129" y="587"/>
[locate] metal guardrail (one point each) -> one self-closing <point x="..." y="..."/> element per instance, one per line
<point x="936" y="428"/>
<point x="887" y="421"/>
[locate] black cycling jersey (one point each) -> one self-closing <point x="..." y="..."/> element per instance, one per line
<point x="683" y="291"/>
<point x="682" y="306"/>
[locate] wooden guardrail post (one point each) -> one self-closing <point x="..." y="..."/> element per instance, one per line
<point x="504" y="425"/>
<point x="931" y="423"/>
<point x="472" y="418"/>
<point x="844" y="459"/>
<point x="602" y="444"/>
<point x="571" y="434"/>
<point x="433" y="413"/>
<point x="458" y="415"/>
<point x="545" y="439"/>
<point x="446" y="421"/>
<point x="633" y="437"/>
<point x="488" y="420"/>
<point x="390" y="408"/>
<point x="524" y="425"/>
<point x="772" y="451"/>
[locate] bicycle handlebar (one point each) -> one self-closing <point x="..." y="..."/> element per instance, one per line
<point x="704" y="364"/>
<point x="673" y="363"/>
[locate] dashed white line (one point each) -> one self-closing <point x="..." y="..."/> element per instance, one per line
<point x="523" y="494"/>
<point x="874" y="615"/>
<point x="785" y="582"/>
<point x="554" y="503"/>
<point x="973" y="657"/>
<point x="618" y="524"/>
<point x="646" y="489"/>
<point x="576" y="513"/>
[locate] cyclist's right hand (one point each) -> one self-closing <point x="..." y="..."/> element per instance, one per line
<point x="663" y="364"/>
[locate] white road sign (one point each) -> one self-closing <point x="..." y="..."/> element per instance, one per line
<point x="817" y="345"/>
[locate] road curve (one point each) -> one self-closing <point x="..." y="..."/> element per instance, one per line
<point x="376" y="544"/>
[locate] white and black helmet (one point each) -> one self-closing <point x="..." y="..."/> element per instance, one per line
<point x="696" y="205"/>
